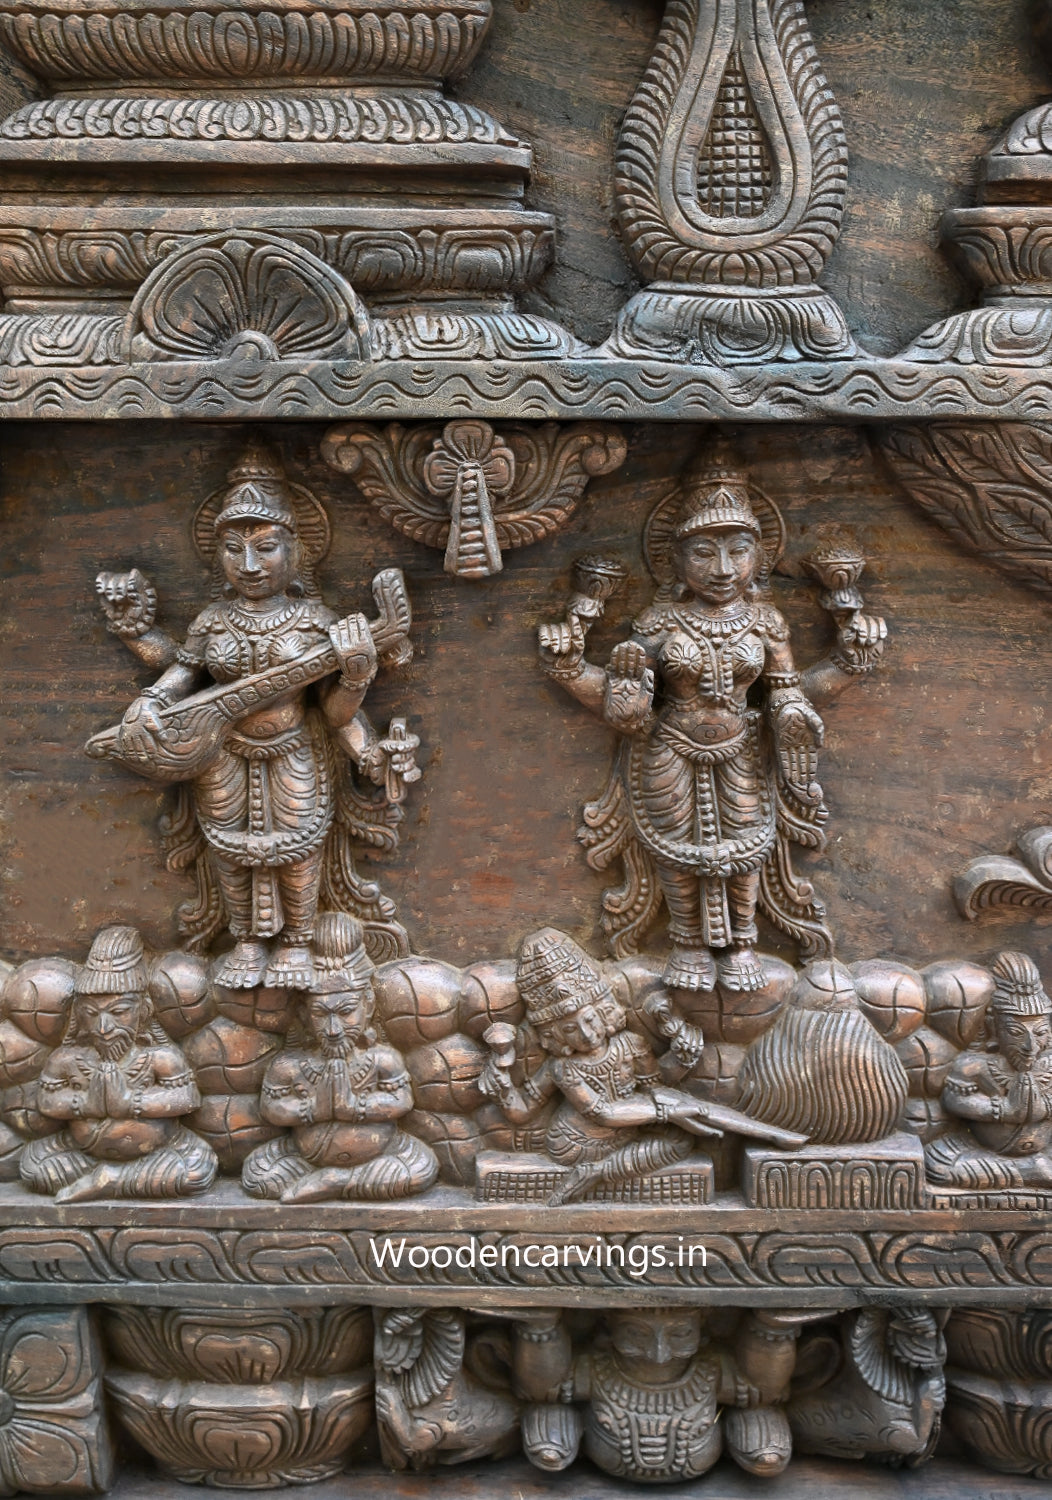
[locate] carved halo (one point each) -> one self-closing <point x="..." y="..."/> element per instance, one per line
<point x="313" y="531"/>
<point x="659" y="533"/>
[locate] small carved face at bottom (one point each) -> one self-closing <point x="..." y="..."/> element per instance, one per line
<point x="1022" y="1039"/>
<point x="337" y="1022"/>
<point x="658" y="1343"/>
<point x="258" y="559"/>
<point x="717" y="566"/>
<point x="110" y="1023"/>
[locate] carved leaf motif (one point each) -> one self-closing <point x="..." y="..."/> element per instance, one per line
<point x="242" y="1347"/>
<point x="53" y="1438"/>
<point x="290" y="1432"/>
<point x="426" y="1349"/>
<point x="875" y="1359"/>
<point x="787" y="147"/>
<point x="405" y="472"/>
<point x="251" y="294"/>
<point x="1008" y="1427"/>
<point x="996" y="880"/>
<point x="988" y="485"/>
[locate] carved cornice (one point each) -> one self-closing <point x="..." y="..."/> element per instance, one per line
<point x="405" y="120"/>
<point x="58" y="384"/>
<point x="267" y="1253"/>
<point x="64" y="42"/>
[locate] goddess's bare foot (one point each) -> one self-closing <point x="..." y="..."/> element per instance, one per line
<point x="242" y="968"/>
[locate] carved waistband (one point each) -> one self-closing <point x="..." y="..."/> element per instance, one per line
<point x="279" y="744"/>
<point x="701" y="755"/>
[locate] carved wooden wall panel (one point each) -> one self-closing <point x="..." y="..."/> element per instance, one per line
<point x="526" y="813"/>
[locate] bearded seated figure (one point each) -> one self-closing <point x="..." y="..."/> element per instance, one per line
<point x="340" y="1092"/>
<point x="123" y="1088"/>
<point x="1002" y="1096"/>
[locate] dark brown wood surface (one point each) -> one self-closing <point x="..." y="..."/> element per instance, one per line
<point x="940" y="756"/>
<point x="924" y="89"/>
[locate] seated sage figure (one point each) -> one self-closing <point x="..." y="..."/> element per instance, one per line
<point x="121" y="1087"/>
<point x="1002" y="1096"/>
<point x="615" y="1120"/>
<point x="341" y="1092"/>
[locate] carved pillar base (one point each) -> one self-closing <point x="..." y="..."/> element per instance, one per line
<point x="1005" y="245"/>
<point x="319" y="132"/>
<point x="999" y="1388"/>
<point x="731" y="325"/>
<point x="270" y="1398"/>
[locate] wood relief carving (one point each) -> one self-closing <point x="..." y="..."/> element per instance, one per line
<point x="647" y="1397"/>
<point x="997" y="1383"/>
<point x="999" y="1099"/>
<point x="341" y="1095"/>
<point x="243" y="1400"/>
<point x="615" y="1128"/>
<point x="1004" y="244"/>
<point x="120" y="1091"/>
<point x="995" y="881"/>
<point x="308" y="1191"/>
<point x="54" y="1434"/>
<point x="731" y="175"/>
<point x="443" y="1395"/>
<point x="275" y="91"/>
<point x="266" y="815"/>
<point x="707" y="794"/>
<point x="870" y="1386"/>
<point x="473" y="490"/>
<point x="987" y="484"/>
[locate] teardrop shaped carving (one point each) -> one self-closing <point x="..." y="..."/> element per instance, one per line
<point x="735" y="172"/>
<point x="732" y="161"/>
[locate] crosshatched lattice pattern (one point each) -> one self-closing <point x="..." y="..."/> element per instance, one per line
<point x="734" y="167"/>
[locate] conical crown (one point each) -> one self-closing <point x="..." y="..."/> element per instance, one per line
<point x="1018" y="990"/>
<point x="715" y="497"/>
<point x="555" y="976"/>
<point x="340" y="959"/>
<point x="258" y="491"/>
<point x="116" y="964"/>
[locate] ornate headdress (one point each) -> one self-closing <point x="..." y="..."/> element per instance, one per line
<point x="1018" y="990"/>
<point x="258" y="491"/>
<point x="715" y="497"/>
<point x="340" y="960"/>
<point x="711" y="493"/>
<point x="556" y="977"/>
<point x="116" y="964"/>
